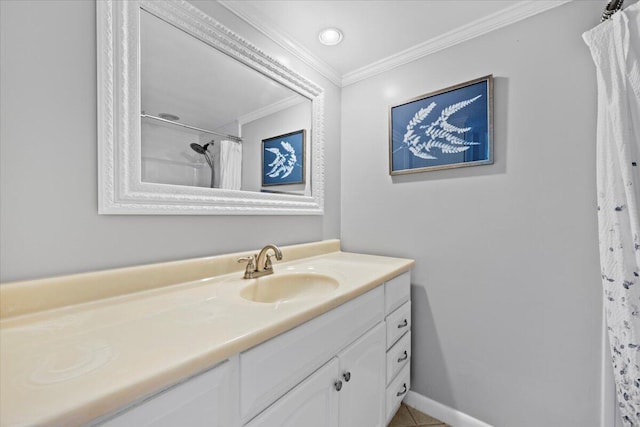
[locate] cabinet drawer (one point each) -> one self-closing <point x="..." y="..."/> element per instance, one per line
<point x="397" y="291"/>
<point x="398" y="356"/>
<point x="398" y="323"/>
<point x="269" y="370"/>
<point x="396" y="391"/>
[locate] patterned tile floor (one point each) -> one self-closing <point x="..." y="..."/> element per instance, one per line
<point x="411" y="417"/>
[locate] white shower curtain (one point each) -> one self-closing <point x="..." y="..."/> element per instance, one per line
<point x="615" y="48"/>
<point x="230" y="165"/>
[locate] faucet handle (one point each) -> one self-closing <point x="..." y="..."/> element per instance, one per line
<point x="250" y="260"/>
<point x="251" y="269"/>
<point x="268" y="265"/>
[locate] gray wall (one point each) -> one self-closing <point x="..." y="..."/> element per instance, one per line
<point x="48" y="212"/>
<point x="506" y="291"/>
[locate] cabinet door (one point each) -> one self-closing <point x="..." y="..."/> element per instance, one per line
<point x="362" y="371"/>
<point x="209" y="399"/>
<point x="312" y="403"/>
<point x="271" y="369"/>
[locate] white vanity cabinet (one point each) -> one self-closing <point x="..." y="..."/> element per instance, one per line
<point x="348" y="367"/>
<point x="373" y="370"/>
<point x="344" y="392"/>
<point x="273" y="368"/>
<point x="208" y="399"/>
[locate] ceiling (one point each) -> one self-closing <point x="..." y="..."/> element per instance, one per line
<point x="378" y="35"/>
<point x="376" y="31"/>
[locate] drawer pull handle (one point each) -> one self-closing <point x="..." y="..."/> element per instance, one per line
<point x="338" y="385"/>
<point x="404" y="324"/>
<point x="346" y="376"/>
<point x="404" y="390"/>
<point x="404" y="357"/>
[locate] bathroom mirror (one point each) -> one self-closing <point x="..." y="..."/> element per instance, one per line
<point x="181" y="96"/>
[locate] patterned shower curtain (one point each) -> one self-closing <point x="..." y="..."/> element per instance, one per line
<point x="615" y="48"/>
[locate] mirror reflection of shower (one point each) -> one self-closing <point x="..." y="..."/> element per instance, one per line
<point x="208" y="156"/>
<point x="173" y="152"/>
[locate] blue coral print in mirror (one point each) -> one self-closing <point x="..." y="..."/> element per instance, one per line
<point x="283" y="159"/>
<point x="444" y="129"/>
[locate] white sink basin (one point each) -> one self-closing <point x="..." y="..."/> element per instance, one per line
<point x="288" y="286"/>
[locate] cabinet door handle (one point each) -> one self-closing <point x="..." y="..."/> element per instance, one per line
<point x="338" y="385"/>
<point x="404" y="390"/>
<point x="404" y="357"/>
<point x="403" y="324"/>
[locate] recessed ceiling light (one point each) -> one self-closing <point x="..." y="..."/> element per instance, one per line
<point x="169" y="116"/>
<point x="330" y="36"/>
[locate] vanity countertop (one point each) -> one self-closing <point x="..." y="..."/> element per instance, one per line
<point x="69" y="364"/>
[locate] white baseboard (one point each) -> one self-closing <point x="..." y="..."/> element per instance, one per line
<point x="442" y="412"/>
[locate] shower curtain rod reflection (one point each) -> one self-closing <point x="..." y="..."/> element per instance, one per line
<point x="160" y="119"/>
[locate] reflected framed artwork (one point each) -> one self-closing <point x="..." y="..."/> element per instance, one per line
<point x="446" y="129"/>
<point x="283" y="159"/>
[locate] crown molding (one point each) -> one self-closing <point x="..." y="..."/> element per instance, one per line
<point x="271" y="109"/>
<point x="248" y="13"/>
<point x="479" y="27"/>
<point x="517" y="12"/>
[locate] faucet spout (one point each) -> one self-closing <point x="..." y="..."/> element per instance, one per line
<point x="263" y="261"/>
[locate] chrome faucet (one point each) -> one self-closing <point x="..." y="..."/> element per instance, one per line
<point x="260" y="265"/>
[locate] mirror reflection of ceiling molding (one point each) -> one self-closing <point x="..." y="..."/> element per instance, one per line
<point x="271" y="109"/>
<point x="385" y="42"/>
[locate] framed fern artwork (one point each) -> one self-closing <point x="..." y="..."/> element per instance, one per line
<point x="283" y="159"/>
<point x="449" y="128"/>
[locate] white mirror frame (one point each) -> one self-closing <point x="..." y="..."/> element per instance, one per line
<point x="120" y="187"/>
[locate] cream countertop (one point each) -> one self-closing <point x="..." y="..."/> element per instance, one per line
<point x="69" y="365"/>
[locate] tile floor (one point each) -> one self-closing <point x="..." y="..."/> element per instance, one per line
<point x="411" y="417"/>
